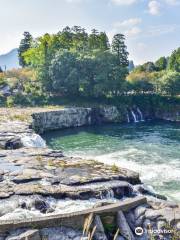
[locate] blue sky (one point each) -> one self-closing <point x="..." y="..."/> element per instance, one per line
<point x="152" y="27"/>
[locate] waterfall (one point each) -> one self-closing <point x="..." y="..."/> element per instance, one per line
<point x="128" y="119"/>
<point x="141" y="115"/>
<point x="107" y="194"/>
<point x="134" y="116"/>
<point x="33" y="140"/>
<point x="110" y="194"/>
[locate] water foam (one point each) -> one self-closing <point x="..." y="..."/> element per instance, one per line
<point x="33" y="140"/>
<point x="156" y="174"/>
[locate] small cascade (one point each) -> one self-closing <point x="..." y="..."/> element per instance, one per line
<point x="110" y="194"/>
<point x="141" y="115"/>
<point x="106" y="194"/>
<point x="128" y="119"/>
<point x="134" y="116"/>
<point x="33" y="140"/>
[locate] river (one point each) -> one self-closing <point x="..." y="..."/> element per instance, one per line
<point x="150" y="148"/>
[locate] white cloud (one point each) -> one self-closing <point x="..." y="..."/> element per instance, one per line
<point x="154" y="7"/>
<point x="128" y="27"/>
<point x="128" y="22"/>
<point x="134" y="31"/>
<point x="173" y="2"/>
<point x="123" y="2"/>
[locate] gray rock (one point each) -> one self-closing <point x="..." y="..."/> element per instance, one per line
<point x="13" y="143"/>
<point x="28" y="235"/>
<point x="120" y="238"/>
<point x="99" y="233"/>
<point x="41" y="205"/>
<point x="139" y="221"/>
<point x="123" y="226"/>
<point x="143" y="189"/>
<point x="25" y="179"/>
<point x="79" y="238"/>
<point x="3" y="235"/>
<point x="7" y="207"/>
<point x="139" y="211"/>
<point x="178" y="225"/>
<point x="130" y="219"/>
<point x="153" y="214"/>
<point x="1" y="178"/>
<point x="146" y="223"/>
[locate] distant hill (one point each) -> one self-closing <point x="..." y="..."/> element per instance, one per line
<point x="10" y="60"/>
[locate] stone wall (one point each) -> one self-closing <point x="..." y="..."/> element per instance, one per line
<point x="169" y="113"/>
<point x="75" y="117"/>
<point x="59" y="119"/>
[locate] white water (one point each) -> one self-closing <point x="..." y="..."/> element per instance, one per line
<point x="141" y="115"/>
<point x="59" y="206"/>
<point x="128" y="119"/>
<point x="150" y="149"/>
<point x="33" y="140"/>
<point x="134" y="116"/>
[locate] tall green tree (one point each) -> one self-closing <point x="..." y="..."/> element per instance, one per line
<point x="64" y="74"/>
<point x="161" y="64"/>
<point x="25" y="44"/>
<point x="120" y="49"/>
<point x="174" y="61"/>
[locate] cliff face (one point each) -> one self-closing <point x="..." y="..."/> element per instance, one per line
<point x="76" y="117"/>
<point x="168" y="113"/>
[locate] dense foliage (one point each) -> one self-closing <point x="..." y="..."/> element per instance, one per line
<point x="74" y="62"/>
<point x="161" y="77"/>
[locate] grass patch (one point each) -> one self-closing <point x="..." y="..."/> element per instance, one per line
<point x="115" y="168"/>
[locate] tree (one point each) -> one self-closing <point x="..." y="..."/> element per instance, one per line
<point x="79" y="39"/>
<point x="170" y="83"/>
<point x="25" y="44"/>
<point x="120" y="49"/>
<point x="161" y="64"/>
<point x="1" y="70"/>
<point x="131" y="66"/>
<point x="75" y="62"/>
<point x="174" y="61"/>
<point x="141" y="82"/>
<point x="103" y="41"/>
<point x="64" y="74"/>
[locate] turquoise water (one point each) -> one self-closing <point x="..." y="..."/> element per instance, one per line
<point x="152" y="149"/>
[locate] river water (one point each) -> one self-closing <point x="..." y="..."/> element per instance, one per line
<point x="152" y="149"/>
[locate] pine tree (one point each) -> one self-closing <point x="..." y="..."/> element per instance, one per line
<point x="25" y="44"/>
<point x="120" y="49"/>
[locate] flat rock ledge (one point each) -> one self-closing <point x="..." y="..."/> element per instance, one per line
<point x="30" y="178"/>
<point x="46" y="172"/>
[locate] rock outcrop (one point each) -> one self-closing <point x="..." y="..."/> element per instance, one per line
<point x="76" y="117"/>
<point x="36" y="181"/>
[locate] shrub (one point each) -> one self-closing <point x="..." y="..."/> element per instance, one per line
<point x="10" y="101"/>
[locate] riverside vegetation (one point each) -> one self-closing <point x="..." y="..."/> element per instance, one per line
<point x="73" y="66"/>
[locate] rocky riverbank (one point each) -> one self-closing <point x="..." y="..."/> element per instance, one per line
<point x="36" y="181"/>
